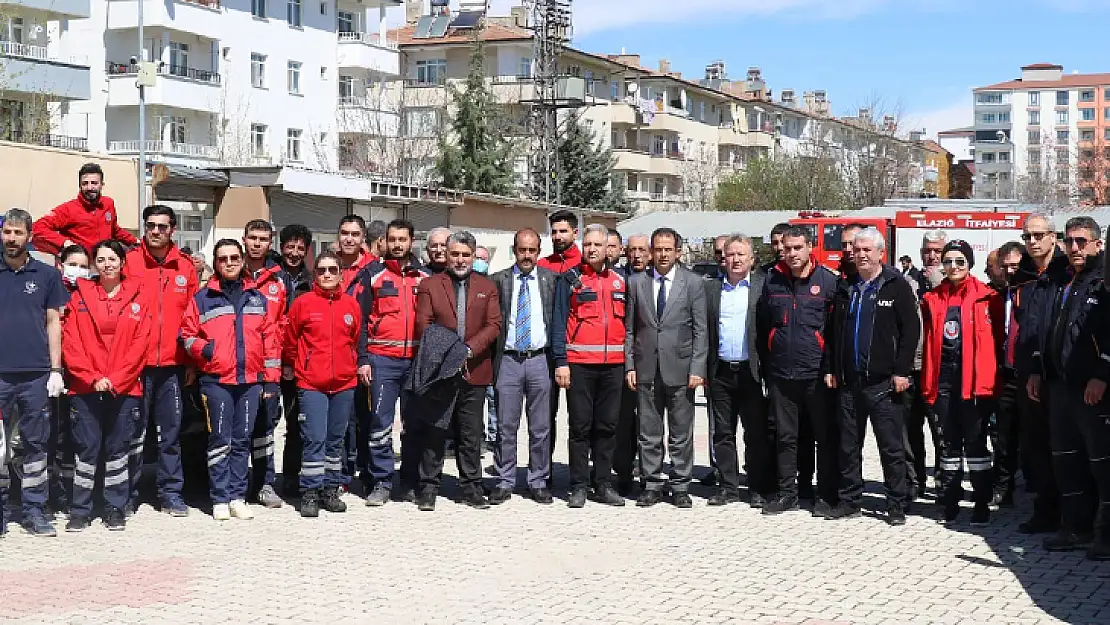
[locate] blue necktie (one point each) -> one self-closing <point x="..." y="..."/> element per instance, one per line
<point x="661" y="299"/>
<point x="524" y="316"/>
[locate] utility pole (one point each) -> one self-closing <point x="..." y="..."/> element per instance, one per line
<point x="551" y="23"/>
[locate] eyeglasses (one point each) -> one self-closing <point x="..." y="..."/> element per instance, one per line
<point x="158" y="227"/>
<point x="1034" y="236"/>
<point x="326" y="270"/>
<point x="1080" y="242"/>
<point x="229" y="259"/>
<point x="958" y="262"/>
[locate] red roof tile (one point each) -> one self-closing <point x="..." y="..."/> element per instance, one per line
<point x="492" y="32"/>
<point x="1067" y="81"/>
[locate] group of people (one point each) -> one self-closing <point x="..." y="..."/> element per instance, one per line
<point x="801" y="357"/>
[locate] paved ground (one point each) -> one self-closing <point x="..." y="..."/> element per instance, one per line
<point x="523" y="563"/>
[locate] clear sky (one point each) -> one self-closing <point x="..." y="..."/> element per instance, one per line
<point x="926" y="55"/>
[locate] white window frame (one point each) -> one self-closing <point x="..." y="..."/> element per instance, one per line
<point x="1034" y="118"/>
<point x="258" y="9"/>
<point x="178" y="129"/>
<point x="293" y="140"/>
<point x="258" y="70"/>
<point x="258" y="140"/>
<point x="431" y="71"/>
<point x="1086" y="114"/>
<point x="1062" y="118"/>
<point x="294" y="13"/>
<point x="179" y="58"/>
<point x="1034" y="98"/>
<point x="293" y="77"/>
<point x="346" y="22"/>
<point x="525" y="69"/>
<point x="346" y="87"/>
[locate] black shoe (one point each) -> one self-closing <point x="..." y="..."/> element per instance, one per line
<point x="577" y="497"/>
<point x="1100" y="550"/>
<point x="291" y="487"/>
<point x="1065" y="540"/>
<point x="1003" y="499"/>
<point x="175" y="507"/>
<point x="648" y="498"/>
<point x="780" y="505"/>
<point x="77" y="523"/>
<point x="606" y="495"/>
<point x="709" y="479"/>
<point x="981" y="515"/>
<point x="723" y="498"/>
<point x="114" y="520"/>
<point x="476" y="500"/>
<point x="310" y="503"/>
<point x="821" y="508"/>
<point x="426" y="502"/>
<point x="37" y="525"/>
<point x="682" y="500"/>
<point x="330" y="501"/>
<point x="542" y="495"/>
<point x="896" y="516"/>
<point x="757" y="501"/>
<point x="500" y="495"/>
<point x="805" y="491"/>
<point x="951" y="512"/>
<point x="843" y="511"/>
<point x="405" y="494"/>
<point x="625" y="488"/>
<point x="1038" y="524"/>
<point x="449" y="451"/>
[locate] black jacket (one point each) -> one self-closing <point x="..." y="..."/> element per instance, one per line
<point x="297" y="283"/>
<point x="1033" y="294"/>
<point x="1074" y="345"/>
<point x="791" y="319"/>
<point x="896" y="329"/>
<point x="434" y="377"/>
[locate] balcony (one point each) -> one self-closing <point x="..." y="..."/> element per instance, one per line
<point x="177" y="86"/>
<point x="35" y="69"/>
<point x="632" y="159"/>
<point x="729" y="134"/>
<point x="164" y="149"/>
<point x="359" y="115"/>
<point x="62" y="142"/>
<point x="512" y="89"/>
<point x="75" y="9"/>
<point x="369" y="51"/>
<point x="190" y="16"/>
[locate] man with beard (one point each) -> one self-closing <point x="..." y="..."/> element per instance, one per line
<point x="30" y="364"/>
<point x="437" y="250"/>
<point x="564" y="234"/>
<point x="389" y="310"/>
<point x="85" y="220"/>
<point x="776" y="245"/>
<point x="1004" y="432"/>
<point x="295" y="241"/>
<point x="614" y="248"/>
<point x="353" y="258"/>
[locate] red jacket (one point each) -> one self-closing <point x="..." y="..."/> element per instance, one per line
<point x="351" y="282"/>
<point x="589" y="318"/>
<point x="270" y="283"/>
<point x="979" y="367"/>
<point x="389" y="307"/>
<point x="169" y="286"/>
<point x="321" y="338"/>
<point x="562" y="263"/>
<point x="82" y="223"/>
<point x="89" y="355"/>
<point x="231" y="339"/>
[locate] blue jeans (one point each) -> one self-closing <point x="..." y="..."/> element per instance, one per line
<point x="323" y="419"/>
<point x="232" y="409"/>
<point x="385" y="389"/>
<point x="102" y="423"/>
<point x="24" y="394"/>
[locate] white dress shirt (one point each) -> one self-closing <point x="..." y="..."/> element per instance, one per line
<point x="537" y="327"/>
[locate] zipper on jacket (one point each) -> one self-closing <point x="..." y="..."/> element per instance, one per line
<point x="161" y="303"/>
<point x="605" y="321"/>
<point x="331" y="339"/>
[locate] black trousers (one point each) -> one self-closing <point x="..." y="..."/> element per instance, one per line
<point x="790" y="400"/>
<point x="1036" y="449"/>
<point x="918" y="415"/>
<point x="628" y="429"/>
<point x="467" y="428"/>
<point x="879" y="403"/>
<point x="1081" y="456"/>
<point x="1006" y="434"/>
<point x="964" y="426"/>
<point x="294" y="449"/>
<point x="593" y="404"/>
<point x="736" y="398"/>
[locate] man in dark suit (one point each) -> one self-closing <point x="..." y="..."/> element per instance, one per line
<point x="637" y="253"/>
<point x="523" y="368"/>
<point x="735" y="379"/>
<point x="469" y="304"/>
<point x="665" y="360"/>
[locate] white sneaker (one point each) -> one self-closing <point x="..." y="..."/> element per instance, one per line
<point x="220" y="512"/>
<point x="240" y="510"/>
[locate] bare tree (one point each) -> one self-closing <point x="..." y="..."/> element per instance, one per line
<point x="231" y="127"/>
<point x="877" y="162"/>
<point x="1093" y="169"/>
<point x="1048" y="179"/>
<point x="700" y="177"/>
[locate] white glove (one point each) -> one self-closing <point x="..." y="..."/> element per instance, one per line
<point x="55" y="386"/>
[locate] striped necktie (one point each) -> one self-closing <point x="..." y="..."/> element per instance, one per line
<point x="524" y="316"/>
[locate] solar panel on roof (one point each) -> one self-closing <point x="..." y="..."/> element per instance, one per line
<point x="423" y="27"/>
<point x="439" y="26"/>
<point x="467" y="19"/>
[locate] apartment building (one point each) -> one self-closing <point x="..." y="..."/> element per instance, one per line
<point x="1046" y="128"/>
<point x="239" y="82"/>
<point x="40" y="74"/>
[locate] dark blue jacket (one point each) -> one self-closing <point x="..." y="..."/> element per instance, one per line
<point x="791" y="319"/>
<point x="1074" y="346"/>
<point x="1033" y="294"/>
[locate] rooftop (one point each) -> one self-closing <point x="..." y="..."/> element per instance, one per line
<point x="1067" y="80"/>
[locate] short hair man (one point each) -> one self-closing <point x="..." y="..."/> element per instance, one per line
<point x="295" y="241"/>
<point x="437" y="249"/>
<point x="85" y="220"/>
<point x="932" y="247"/>
<point x="564" y="234"/>
<point x="375" y="238"/>
<point x="614" y="247"/>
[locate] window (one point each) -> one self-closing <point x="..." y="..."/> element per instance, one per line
<point x="294" y="76"/>
<point x="1061" y="98"/>
<point x="658" y="145"/>
<point x="431" y="72"/>
<point x="1003" y="157"/>
<point x="1034" y="98"/>
<point x="323" y="8"/>
<point x="15" y="30"/>
<point x="1063" y="136"/>
<point x="346" y="87"/>
<point x="258" y="140"/>
<point x="258" y="70"/>
<point x="177" y="129"/>
<point x="701" y="111"/>
<point x="1034" y="118"/>
<point x="1062" y="176"/>
<point x="524" y="70"/>
<point x="345" y="21"/>
<point x="989" y="118"/>
<point x="1034" y="157"/>
<point x="1062" y="156"/>
<point x="1062" y="118"/>
<point x="1086" y="135"/>
<point x="1004" y="117"/>
<point x="990" y="98"/>
<point x="179" y="59"/>
<point x="988" y="157"/>
<point x="615" y="91"/>
<point x="323" y="138"/>
<point x="658" y="188"/>
<point x="1087" y="95"/>
<point x="1106" y="134"/>
<point x="190" y="231"/>
<point x="422" y="122"/>
<point x="294" y="13"/>
<point x="1034" y="137"/>
<point x="1087" y="115"/>
<point x="293" y="144"/>
<point x="258" y="8"/>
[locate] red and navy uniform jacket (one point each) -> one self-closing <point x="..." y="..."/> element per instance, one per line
<point x="351" y="282"/>
<point x="322" y="335"/>
<point x="169" y="286"/>
<point x="562" y="263"/>
<point x="270" y="281"/>
<point x="89" y="354"/>
<point x="792" y="316"/>
<point x="588" y="317"/>
<point x="232" y="341"/>
<point x="389" y="307"/>
<point x="80" y="222"/>
<point x="979" y="355"/>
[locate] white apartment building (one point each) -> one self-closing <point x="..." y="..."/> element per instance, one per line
<point x="239" y="82"/>
<point x="40" y="73"/>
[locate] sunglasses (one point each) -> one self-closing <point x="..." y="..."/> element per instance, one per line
<point x="229" y="259"/>
<point x="327" y="270"/>
<point x="958" y="262"/>
<point x="1080" y="242"/>
<point x="157" y="227"/>
<point x="1034" y="236"/>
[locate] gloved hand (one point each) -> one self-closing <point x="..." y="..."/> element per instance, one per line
<point x="55" y="386"/>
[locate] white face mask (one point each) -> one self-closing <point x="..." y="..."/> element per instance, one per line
<point x="71" y="273"/>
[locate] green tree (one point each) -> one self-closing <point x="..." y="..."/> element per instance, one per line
<point x="585" y="178"/>
<point x="477" y="156"/>
<point x="797" y="183"/>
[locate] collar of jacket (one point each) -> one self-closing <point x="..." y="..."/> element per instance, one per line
<point x="588" y="270"/>
<point x="1093" y="265"/>
<point x="214" y="282"/>
<point x="87" y="287"/>
<point x="87" y="205"/>
<point x="173" y="256"/>
<point x="326" y="293"/>
<point x="971" y="288"/>
<point x="1028" y="272"/>
<point x="411" y="268"/>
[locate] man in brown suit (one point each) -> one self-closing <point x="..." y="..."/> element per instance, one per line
<point x="469" y="304"/>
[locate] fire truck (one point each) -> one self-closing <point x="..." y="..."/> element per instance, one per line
<point x="985" y="231"/>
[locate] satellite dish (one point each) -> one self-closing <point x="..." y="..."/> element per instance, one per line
<point x="633" y="88"/>
<point x="682" y="98"/>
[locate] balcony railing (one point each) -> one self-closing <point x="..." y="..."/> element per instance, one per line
<point x="77" y="144"/>
<point x="370" y="39"/>
<point x="38" y="53"/>
<point x="170" y="148"/>
<point x="210" y="4"/>
<point x="180" y="71"/>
